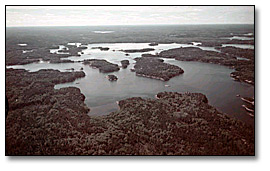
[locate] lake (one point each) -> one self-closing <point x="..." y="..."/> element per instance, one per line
<point x="102" y="95"/>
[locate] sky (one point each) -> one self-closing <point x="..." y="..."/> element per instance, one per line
<point x="17" y="16"/>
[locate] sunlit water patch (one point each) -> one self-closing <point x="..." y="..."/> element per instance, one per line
<point x="248" y="34"/>
<point x="239" y="38"/>
<point x="115" y="53"/>
<point x="243" y="46"/>
<point x="103" y="32"/>
<point x="74" y="44"/>
<point x="60" y="47"/>
<point x="27" y="51"/>
<point x="22" y="44"/>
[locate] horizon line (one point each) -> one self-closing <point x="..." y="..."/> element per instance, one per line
<point x="135" y="25"/>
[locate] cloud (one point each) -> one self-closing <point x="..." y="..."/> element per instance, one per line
<point x="121" y="15"/>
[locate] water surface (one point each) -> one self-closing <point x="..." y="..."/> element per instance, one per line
<point x="103" y="32"/>
<point x="239" y="38"/>
<point x="243" y="46"/>
<point x="102" y="95"/>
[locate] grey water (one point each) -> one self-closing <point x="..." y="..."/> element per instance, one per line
<point x="239" y="38"/>
<point x="102" y="95"/>
<point x="243" y="46"/>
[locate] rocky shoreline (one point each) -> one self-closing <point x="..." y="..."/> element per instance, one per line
<point x="45" y="121"/>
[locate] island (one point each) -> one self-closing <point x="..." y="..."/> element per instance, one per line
<point x="101" y="48"/>
<point x="153" y="44"/>
<point x="137" y="50"/>
<point x="112" y="78"/>
<point x="103" y="65"/>
<point x="155" y="68"/>
<point x="125" y="63"/>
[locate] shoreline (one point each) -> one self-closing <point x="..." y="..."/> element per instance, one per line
<point x="162" y="113"/>
<point x="43" y="120"/>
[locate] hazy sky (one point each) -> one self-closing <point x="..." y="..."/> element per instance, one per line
<point x="126" y="15"/>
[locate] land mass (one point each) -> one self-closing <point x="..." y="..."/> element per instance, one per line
<point x="138" y="50"/>
<point x="156" y="69"/>
<point x="244" y="69"/>
<point x="125" y="63"/>
<point x="45" y="121"/>
<point x="22" y="57"/>
<point x="103" y="65"/>
<point x="42" y="120"/>
<point x="101" y="48"/>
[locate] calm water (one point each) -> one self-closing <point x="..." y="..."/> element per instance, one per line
<point x="239" y="38"/>
<point x="103" y="32"/>
<point x="243" y="46"/>
<point x="101" y="95"/>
